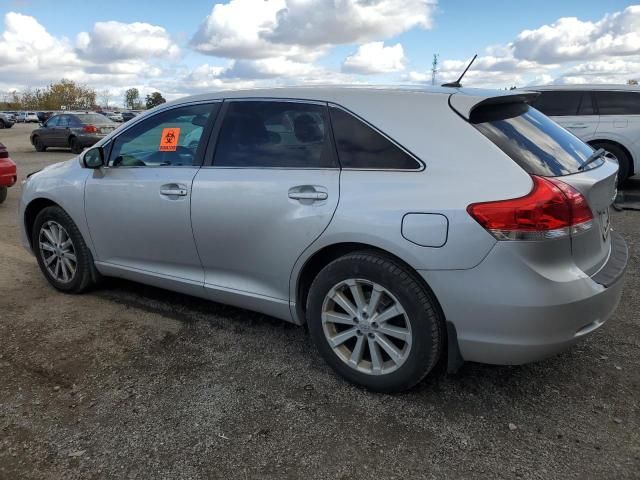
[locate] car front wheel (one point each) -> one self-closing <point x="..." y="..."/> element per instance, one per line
<point x="3" y="194"/>
<point x="374" y="322"/>
<point x="62" y="254"/>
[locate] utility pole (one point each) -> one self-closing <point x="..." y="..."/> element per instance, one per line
<point x="434" y="68"/>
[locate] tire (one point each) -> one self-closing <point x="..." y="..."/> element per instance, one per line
<point x="3" y="193"/>
<point x="81" y="279"/>
<point x="75" y="146"/>
<point x="624" y="162"/>
<point x="2" y="125"/>
<point x="38" y="145"/>
<point x="420" y="322"/>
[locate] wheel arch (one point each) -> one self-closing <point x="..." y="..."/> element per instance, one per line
<point x="632" y="169"/>
<point x="318" y="260"/>
<point x="32" y="210"/>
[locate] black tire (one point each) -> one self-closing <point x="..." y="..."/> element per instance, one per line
<point x="38" y="145"/>
<point x="75" y="146"/>
<point x="85" y="269"/>
<point x="624" y="161"/>
<point x="3" y="193"/>
<point x="2" y="124"/>
<point x="427" y="323"/>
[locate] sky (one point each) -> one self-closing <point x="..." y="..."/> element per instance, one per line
<point x="192" y="46"/>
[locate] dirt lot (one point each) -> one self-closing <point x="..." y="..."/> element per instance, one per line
<point x="135" y="382"/>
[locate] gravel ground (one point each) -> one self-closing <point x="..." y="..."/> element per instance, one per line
<point x="135" y="382"/>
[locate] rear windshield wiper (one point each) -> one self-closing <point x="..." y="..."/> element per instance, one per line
<point x="592" y="158"/>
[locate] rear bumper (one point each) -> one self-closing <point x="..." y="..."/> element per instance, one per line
<point x="8" y="172"/>
<point x="507" y="311"/>
<point x="89" y="140"/>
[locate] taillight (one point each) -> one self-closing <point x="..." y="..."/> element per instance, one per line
<point x="90" y="129"/>
<point x="553" y="209"/>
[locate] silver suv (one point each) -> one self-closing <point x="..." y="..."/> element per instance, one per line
<point x="402" y="226"/>
<point x="605" y="116"/>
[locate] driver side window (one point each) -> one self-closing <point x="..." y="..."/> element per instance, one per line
<point x="167" y="139"/>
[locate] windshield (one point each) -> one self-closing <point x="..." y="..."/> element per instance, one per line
<point x="534" y="141"/>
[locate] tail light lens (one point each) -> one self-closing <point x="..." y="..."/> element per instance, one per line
<point x="553" y="209"/>
<point x="4" y="153"/>
<point x="90" y="129"/>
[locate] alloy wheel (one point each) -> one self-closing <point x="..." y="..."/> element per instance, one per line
<point x="57" y="251"/>
<point x="366" y="326"/>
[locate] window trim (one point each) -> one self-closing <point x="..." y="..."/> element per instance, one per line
<point x="212" y="144"/>
<point x="422" y="165"/>
<point x="199" y="158"/>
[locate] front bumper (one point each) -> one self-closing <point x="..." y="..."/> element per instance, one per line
<point x="8" y="172"/>
<point x="507" y="312"/>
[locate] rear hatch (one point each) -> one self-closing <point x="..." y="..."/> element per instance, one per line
<point x="545" y="149"/>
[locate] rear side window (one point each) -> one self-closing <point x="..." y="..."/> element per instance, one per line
<point x="618" y="103"/>
<point x="274" y="134"/>
<point x="564" y="103"/>
<point x="536" y="143"/>
<point x="360" y="146"/>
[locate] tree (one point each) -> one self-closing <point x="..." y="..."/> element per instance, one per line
<point x="132" y="98"/>
<point x="67" y="94"/>
<point x="155" y="99"/>
<point x="105" y="96"/>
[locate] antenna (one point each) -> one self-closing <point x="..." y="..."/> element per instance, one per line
<point x="434" y="68"/>
<point x="457" y="83"/>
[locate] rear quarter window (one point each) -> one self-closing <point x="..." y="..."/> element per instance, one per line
<point x="534" y="141"/>
<point x="618" y="103"/>
<point x="361" y="147"/>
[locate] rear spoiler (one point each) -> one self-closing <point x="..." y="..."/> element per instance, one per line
<point x="464" y="104"/>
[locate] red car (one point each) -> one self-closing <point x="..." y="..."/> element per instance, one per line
<point x="8" y="172"/>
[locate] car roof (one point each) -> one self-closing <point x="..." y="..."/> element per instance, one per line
<point x="333" y="92"/>
<point x="585" y="86"/>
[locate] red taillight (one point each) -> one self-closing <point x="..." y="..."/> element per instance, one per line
<point x="90" y="129"/>
<point x="553" y="209"/>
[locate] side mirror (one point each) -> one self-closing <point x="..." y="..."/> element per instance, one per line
<point x="93" y="158"/>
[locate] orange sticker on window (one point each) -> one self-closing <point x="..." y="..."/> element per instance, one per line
<point x="169" y="139"/>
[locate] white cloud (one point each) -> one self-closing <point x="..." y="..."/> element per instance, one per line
<point x="112" y="40"/>
<point x="570" y="39"/>
<point x="270" y="68"/>
<point x="318" y="22"/>
<point x="28" y="50"/>
<point x="304" y="29"/>
<point x="374" y="57"/>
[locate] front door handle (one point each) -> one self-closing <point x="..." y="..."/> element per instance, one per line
<point x="173" y="190"/>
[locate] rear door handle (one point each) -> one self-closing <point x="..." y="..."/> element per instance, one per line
<point x="173" y="190"/>
<point x="577" y="125"/>
<point x="308" y="193"/>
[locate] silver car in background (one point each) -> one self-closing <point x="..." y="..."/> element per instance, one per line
<point x="403" y="226"/>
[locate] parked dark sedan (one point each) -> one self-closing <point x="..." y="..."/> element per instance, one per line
<point x="71" y="130"/>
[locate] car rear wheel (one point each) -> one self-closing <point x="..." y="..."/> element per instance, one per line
<point x="75" y="145"/>
<point x="624" y="162"/>
<point x="2" y="124"/>
<point x="62" y="254"/>
<point x="374" y="322"/>
<point x="39" y="146"/>
<point x="3" y="194"/>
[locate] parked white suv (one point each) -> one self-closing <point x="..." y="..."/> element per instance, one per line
<point x="605" y="116"/>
